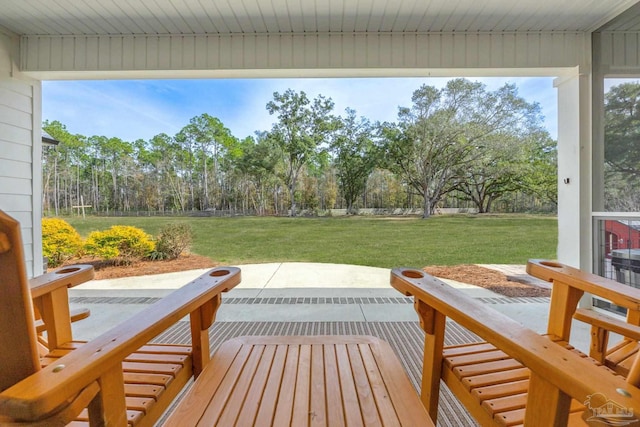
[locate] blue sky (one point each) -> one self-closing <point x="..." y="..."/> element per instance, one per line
<point x="140" y="109"/>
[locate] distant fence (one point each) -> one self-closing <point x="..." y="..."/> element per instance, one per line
<point x="220" y="213"/>
<point x="401" y="211"/>
<point x="207" y="213"/>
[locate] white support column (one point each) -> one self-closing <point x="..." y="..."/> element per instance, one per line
<point x="574" y="170"/>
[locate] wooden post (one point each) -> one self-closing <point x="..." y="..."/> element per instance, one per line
<point x="599" y="342"/>
<point x="54" y="310"/>
<point x="564" y="301"/>
<point x="433" y="323"/>
<point x="109" y="407"/>
<point x="547" y="405"/>
<point x="200" y="321"/>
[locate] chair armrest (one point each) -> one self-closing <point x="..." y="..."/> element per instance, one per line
<point x="575" y="376"/>
<point x="617" y="293"/>
<point x="42" y="393"/>
<point x="608" y="323"/>
<point x="71" y="276"/>
<point x="74" y="315"/>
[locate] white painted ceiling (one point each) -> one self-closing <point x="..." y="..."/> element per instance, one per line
<point x="125" y="17"/>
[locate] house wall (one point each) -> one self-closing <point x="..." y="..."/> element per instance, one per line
<point x="619" y="53"/>
<point x="20" y="158"/>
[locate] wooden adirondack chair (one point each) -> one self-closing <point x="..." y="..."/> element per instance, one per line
<point x="516" y="376"/>
<point x="569" y="285"/>
<point x="116" y="379"/>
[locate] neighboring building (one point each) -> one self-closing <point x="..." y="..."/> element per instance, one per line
<point x="48" y="139"/>
<point x="621" y="235"/>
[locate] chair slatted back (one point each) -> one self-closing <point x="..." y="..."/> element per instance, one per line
<point x="18" y="349"/>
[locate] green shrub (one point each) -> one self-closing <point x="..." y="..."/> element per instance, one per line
<point x="121" y="243"/>
<point x="172" y="241"/>
<point x="60" y="241"/>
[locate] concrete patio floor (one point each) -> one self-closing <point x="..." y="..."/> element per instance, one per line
<point x="294" y="292"/>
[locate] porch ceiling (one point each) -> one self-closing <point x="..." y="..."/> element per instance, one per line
<point x="150" y="17"/>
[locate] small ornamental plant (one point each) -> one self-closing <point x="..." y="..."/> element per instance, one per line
<point x="172" y="241"/>
<point x="60" y="241"/>
<point x="121" y="244"/>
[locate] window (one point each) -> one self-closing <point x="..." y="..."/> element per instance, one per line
<point x="622" y="145"/>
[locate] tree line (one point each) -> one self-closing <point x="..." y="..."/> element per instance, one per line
<point x="460" y="145"/>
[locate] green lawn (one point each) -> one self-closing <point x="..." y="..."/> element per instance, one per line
<point x="379" y="242"/>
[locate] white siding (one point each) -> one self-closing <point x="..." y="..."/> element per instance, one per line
<point x="303" y="51"/>
<point x="19" y="152"/>
<point x="620" y="52"/>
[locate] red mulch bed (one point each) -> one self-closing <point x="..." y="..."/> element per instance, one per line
<point x="486" y="278"/>
<point x="106" y="269"/>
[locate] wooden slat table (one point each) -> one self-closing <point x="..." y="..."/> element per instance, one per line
<point x="302" y="381"/>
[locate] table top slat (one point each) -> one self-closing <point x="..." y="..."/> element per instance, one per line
<point x="406" y="402"/>
<point x="272" y="389"/>
<point x="255" y="392"/>
<point x="238" y="395"/>
<point x="202" y="391"/>
<point x="378" y="388"/>
<point x="368" y="408"/>
<point x="302" y="387"/>
<point x="302" y="381"/>
<point x="225" y="385"/>
<point x="335" y="415"/>
<point x="284" y="407"/>
<point x="318" y="412"/>
<point x="350" y="401"/>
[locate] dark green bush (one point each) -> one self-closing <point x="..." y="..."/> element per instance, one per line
<point x="172" y="241"/>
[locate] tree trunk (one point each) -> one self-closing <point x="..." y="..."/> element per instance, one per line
<point x="56" y="185"/>
<point x="292" y="194"/>
<point x="488" y="208"/>
<point x="426" y="205"/>
<point x="205" y="202"/>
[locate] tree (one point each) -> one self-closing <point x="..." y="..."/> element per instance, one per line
<point x="213" y="139"/>
<point x="301" y="127"/>
<point x="622" y="128"/>
<point x="429" y="144"/>
<point x="116" y="155"/>
<point x="449" y="131"/>
<point x="621" y="148"/>
<point x="258" y="162"/>
<point x="355" y="156"/>
<point x="64" y="165"/>
<point x="541" y="178"/>
<point x="501" y="163"/>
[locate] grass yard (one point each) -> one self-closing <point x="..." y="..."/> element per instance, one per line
<point x="372" y="241"/>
